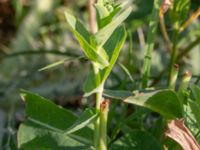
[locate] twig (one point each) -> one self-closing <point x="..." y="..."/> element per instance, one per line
<point x="92" y="16"/>
<point x="194" y="16"/>
<point x="178" y="58"/>
<point x="141" y="37"/>
<point x="173" y="52"/>
<point x="188" y="49"/>
<point x="165" y="34"/>
<point x="39" y="52"/>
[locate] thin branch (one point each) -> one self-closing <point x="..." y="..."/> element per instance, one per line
<point x="188" y="49"/>
<point x="92" y="16"/>
<point x="165" y="34"/>
<point x="141" y="37"/>
<point x="39" y="52"/>
<point x="194" y="16"/>
<point x="178" y="58"/>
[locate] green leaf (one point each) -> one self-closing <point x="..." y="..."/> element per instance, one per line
<point x="196" y="92"/>
<point x="59" y="63"/>
<point x="84" y="38"/>
<point x="158" y="128"/>
<point x="137" y="140"/>
<point x="164" y="102"/>
<point x="90" y="86"/>
<point x="140" y="98"/>
<point x="104" y="34"/>
<point x="195" y="108"/>
<point x="181" y="10"/>
<point x="77" y="27"/>
<point x="126" y="71"/>
<point x="47" y="123"/>
<point x="87" y="117"/>
<point x="117" y="94"/>
<point x="31" y="136"/>
<point x="112" y="47"/>
<point x="48" y="117"/>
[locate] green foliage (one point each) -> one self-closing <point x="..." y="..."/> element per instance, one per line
<point x="196" y="92"/>
<point x="195" y="107"/>
<point x="45" y="119"/>
<point x="139" y="118"/>
<point x="83" y="37"/>
<point x="180" y="10"/>
<point x="104" y="34"/>
<point x="56" y="127"/>
<point x="103" y="16"/>
<point x="117" y="94"/>
<point x="137" y="140"/>
<point x="164" y="102"/>
<point x="195" y="103"/>
<point x="102" y="49"/>
<point x="112" y="46"/>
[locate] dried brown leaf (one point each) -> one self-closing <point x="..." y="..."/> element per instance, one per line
<point x="181" y="134"/>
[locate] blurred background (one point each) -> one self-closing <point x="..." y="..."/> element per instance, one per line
<point x="34" y="34"/>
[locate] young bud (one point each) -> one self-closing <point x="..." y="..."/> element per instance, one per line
<point x="185" y="81"/>
<point x="173" y="77"/>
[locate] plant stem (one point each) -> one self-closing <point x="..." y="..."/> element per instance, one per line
<point x="141" y="37"/>
<point x="98" y="97"/>
<point x="173" y="53"/>
<point x="103" y="125"/>
<point x="130" y="52"/>
<point x="97" y="123"/>
<point x="150" y="42"/>
<point x="194" y="16"/>
<point x="92" y="16"/>
<point x="172" y="80"/>
<point x="164" y="33"/>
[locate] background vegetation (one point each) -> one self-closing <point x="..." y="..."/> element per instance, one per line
<point x="34" y="34"/>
